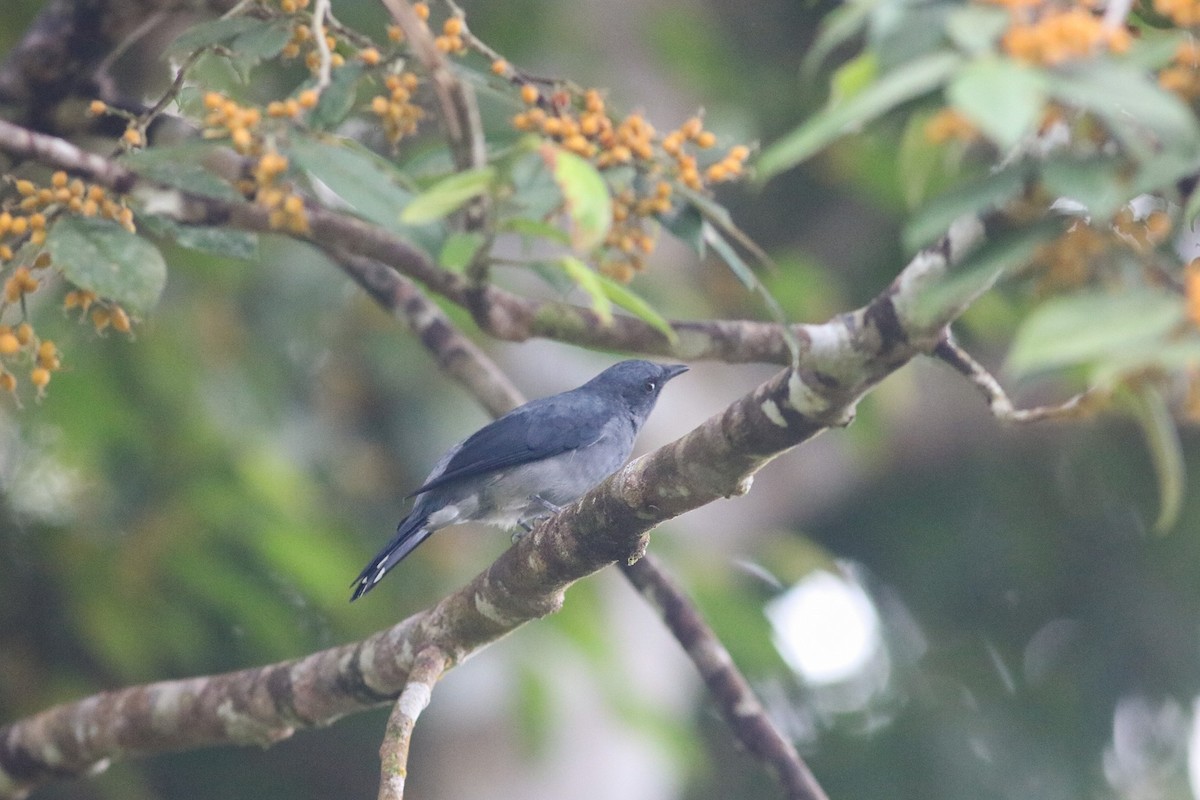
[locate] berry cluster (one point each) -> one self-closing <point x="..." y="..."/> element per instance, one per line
<point x="396" y="110"/>
<point x="227" y="118"/>
<point x="950" y="125"/>
<point x="22" y="346"/>
<point x="1184" y="13"/>
<point x="1182" y="75"/>
<point x="584" y="125"/>
<point x="286" y="209"/>
<point x="303" y="41"/>
<point x="1055" y="36"/>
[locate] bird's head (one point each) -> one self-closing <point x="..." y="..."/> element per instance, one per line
<point x="636" y="383"/>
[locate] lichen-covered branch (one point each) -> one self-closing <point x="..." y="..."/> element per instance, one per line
<point x="427" y="667"/>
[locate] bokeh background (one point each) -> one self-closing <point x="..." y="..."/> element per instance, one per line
<point x="932" y="604"/>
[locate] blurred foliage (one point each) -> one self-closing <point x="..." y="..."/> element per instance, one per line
<point x="195" y="497"/>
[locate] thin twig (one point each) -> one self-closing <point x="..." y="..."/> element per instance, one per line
<point x="1116" y="13"/>
<point x="427" y="668"/>
<point x="319" y="13"/>
<point x="1081" y="405"/>
<point x="740" y="707"/>
<point x="459" y="109"/>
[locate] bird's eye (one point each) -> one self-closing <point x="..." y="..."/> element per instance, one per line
<point x="651" y="386"/>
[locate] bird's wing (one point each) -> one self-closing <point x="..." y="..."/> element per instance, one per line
<point x="535" y="431"/>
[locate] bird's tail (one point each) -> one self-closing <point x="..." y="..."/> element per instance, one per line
<point x="409" y="533"/>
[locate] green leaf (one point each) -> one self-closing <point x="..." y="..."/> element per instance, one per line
<point x="218" y="241"/>
<point x="588" y="280"/>
<point x="448" y="195"/>
<point x="924" y="166"/>
<point x="181" y="166"/>
<point x="976" y="29"/>
<point x="853" y="77"/>
<point x="367" y="183"/>
<point x="687" y="225"/>
<point x="337" y="99"/>
<point x="1003" y="98"/>
<point x="989" y="192"/>
<point x="838" y="27"/>
<point x="218" y="31"/>
<point x="907" y="82"/>
<point x="625" y="297"/>
<point x="1129" y="102"/>
<point x="261" y="42"/>
<point x="1092" y="327"/>
<point x="588" y="203"/>
<point x="533" y="229"/>
<point x="1098" y="183"/>
<point x="1166" y="451"/>
<point x="102" y="256"/>
<point x="459" y="249"/>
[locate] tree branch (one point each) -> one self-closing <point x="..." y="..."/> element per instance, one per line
<point x="1081" y="405"/>
<point x="735" y="698"/>
<point x="427" y="667"/>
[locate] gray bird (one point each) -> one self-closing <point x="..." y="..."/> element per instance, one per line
<point x="531" y="461"/>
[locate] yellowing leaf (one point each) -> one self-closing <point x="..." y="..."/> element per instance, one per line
<point x="589" y="205"/>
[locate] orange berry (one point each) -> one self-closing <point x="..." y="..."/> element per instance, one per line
<point x="499" y="66"/>
<point x="706" y="139"/>
<point x="8" y="382"/>
<point x="59" y="179"/>
<point x="395" y="33"/>
<point x="529" y="94"/>
<point x="25" y="188"/>
<point x="97" y="107"/>
<point x="120" y="320"/>
<point x="24" y="333"/>
<point x="453" y="27"/>
<point x="308" y="98"/>
<point x="422" y="11"/>
<point x="101" y="319"/>
<point x="370" y="56"/>
<point x="9" y="344"/>
<point x="39" y="377"/>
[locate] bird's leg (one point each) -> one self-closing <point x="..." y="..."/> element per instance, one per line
<point x="528" y="522"/>
<point x="546" y="504"/>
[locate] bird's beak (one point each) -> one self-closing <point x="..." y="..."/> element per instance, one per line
<point x="671" y="370"/>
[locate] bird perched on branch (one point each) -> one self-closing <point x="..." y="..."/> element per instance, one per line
<point x="531" y="461"/>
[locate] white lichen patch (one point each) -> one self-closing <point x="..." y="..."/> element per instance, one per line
<point x="414" y="699"/>
<point x="166" y="700"/>
<point x="242" y="727"/>
<point x="802" y="398"/>
<point x="489" y="611"/>
<point x="771" y="411"/>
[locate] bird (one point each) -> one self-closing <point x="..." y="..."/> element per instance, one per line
<point x="530" y="462"/>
